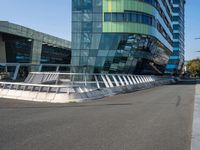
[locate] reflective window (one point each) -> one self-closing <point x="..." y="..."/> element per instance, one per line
<point x="18" y="49"/>
<point x="55" y="55"/>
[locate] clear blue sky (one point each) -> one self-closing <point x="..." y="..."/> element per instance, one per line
<point x="49" y="16"/>
<point x="54" y="17"/>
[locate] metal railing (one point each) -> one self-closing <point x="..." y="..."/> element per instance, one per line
<point x="89" y="80"/>
<point x="62" y="87"/>
<point x="74" y="82"/>
<point x="37" y="87"/>
<point x="14" y="68"/>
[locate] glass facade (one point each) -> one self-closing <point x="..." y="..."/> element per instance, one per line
<point x="177" y="59"/>
<point x="19" y="44"/>
<point x="18" y="49"/>
<point x="55" y="55"/>
<point x="124" y="36"/>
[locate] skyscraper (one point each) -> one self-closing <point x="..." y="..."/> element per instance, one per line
<point x="177" y="58"/>
<point x="121" y="36"/>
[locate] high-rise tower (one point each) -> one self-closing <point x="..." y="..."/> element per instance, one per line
<point x="177" y="58"/>
<point x="121" y="36"/>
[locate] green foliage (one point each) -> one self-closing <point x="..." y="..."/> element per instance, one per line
<point x="193" y="67"/>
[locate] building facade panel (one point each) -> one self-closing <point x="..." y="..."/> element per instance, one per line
<point x="136" y="6"/>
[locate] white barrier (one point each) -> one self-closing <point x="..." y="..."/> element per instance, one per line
<point x="99" y="85"/>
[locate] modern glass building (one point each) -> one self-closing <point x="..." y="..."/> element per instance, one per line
<point x="176" y="62"/>
<point x="121" y="36"/>
<point x="23" y="50"/>
<point x="19" y="44"/>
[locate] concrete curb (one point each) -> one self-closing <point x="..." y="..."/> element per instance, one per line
<point x="195" y="144"/>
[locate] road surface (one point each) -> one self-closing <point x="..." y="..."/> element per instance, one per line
<point x="153" y="119"/>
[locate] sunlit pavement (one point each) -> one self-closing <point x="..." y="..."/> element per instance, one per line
<point x="153" y="119"/>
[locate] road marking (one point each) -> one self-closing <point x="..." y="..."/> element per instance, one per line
<point x="195" y="145"/>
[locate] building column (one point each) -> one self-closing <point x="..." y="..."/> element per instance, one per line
<point x="2" y="50"/>
<point x="36" y="54"/>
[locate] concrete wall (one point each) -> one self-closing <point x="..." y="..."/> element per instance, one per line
<point x="2" y="50"/>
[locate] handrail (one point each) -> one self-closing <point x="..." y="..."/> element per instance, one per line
<point x="38" y="85"/>
<point x="60" y="73"/>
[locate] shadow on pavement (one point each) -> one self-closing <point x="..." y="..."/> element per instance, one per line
<point x="49" y="106"/>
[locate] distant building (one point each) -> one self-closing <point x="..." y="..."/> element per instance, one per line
<point x="121" y="36"/>
<point x="176" y="62"/>
<point x="19" y="44"/>
<point x="23" y="50"/>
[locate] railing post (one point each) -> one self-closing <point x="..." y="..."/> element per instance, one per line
<point x="131" y="82"/>
<point x="109" y="81"/>
<point x="116" y="82"/>
<point x="58" y="78"/>
<point x="120" y="79"/>
<point x="57" y="68"/>
<point x="138" y="82"/>
<point x="16" y="72"/>
<point x="124" y="77"/>
<point x="134" y="81"/>
<point x="97" y="82"/>
<point x="40" y="68"/>
<point x="85" y="78"/>
<point x="105" y="82"/>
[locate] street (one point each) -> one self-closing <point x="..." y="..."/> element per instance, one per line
<point x="153" y="119"/>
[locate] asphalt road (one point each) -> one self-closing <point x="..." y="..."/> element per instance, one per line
<point x="153" y="119"/>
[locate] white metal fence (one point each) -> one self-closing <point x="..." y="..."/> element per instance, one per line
<point x="89" y="80"/>
<point x="62" y="87"/>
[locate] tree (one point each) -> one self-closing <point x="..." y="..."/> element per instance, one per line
<point x="193" y="67"/>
